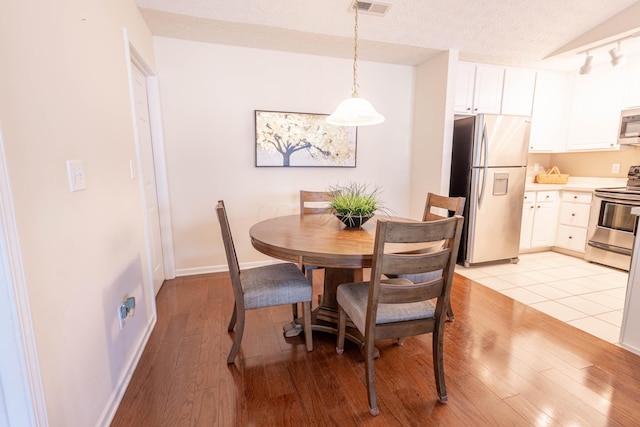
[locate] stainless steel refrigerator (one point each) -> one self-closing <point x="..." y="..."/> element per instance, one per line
<point x="488" y="168"/>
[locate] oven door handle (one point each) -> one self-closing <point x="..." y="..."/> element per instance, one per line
<point x="613" y="197"/>
<point x="610" y="248"/>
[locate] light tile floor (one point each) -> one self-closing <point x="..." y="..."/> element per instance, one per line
<point x="585" y="295"/>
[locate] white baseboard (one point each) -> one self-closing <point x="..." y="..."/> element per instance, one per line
<point x="121" y="387"/>
<point x="220" y="268"/>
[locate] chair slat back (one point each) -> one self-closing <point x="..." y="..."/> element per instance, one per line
<point x="397" y="293"/>
<point x="453" y="205"/>
<point x="318" y="202"/>
<point x="400" y="290"/>
<point x="230" y="250"/>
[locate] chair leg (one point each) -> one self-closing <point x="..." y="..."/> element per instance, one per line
<point x="450" y="317"/>
<point x="237" y="337"/>
<point x="342" y="328"/>
<point x="294" y="310"/>
<point x="438" y="363"/>
<point x="306" y="312"/>
<point x="234" y="316"/>
<point x="369" y="348"/>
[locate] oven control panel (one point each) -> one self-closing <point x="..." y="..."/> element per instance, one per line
<point x="633" y="177"/>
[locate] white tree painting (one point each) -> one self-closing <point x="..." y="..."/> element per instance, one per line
<point x="301" y="139"/>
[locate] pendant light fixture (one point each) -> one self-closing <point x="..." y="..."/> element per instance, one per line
<point x="355" y="111"/>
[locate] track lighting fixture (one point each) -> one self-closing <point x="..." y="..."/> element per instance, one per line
<point x="586" y="67"/>
<point x="617" y="58"/>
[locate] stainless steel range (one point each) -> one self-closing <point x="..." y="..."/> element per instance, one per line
<point x="612" y="227"/>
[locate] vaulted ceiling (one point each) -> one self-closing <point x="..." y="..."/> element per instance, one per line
<point x="509" y="32"/>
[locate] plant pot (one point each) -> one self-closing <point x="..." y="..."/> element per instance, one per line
<point x="353" y="221"/>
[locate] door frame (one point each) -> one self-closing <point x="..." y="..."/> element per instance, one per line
<point x="157" y="143"/>
<point x="22" y="398"/>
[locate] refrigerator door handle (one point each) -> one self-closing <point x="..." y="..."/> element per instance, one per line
<point x="485" y="143"/>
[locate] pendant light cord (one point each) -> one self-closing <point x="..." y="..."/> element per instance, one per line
<point x="354" y="93"/>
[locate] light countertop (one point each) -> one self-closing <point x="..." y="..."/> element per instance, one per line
<point x="577" y="183"/>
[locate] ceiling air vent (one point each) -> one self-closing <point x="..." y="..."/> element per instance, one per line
<point x="377" y="7"/>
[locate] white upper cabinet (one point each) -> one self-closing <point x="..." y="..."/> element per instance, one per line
<point x="465" y="85"/>
<point x="551" y="109"/>
<point x="517" y="94"/>
<point x="595" y="108"/>
<point x="631" y="95"/>
<point x="478" y="88"/>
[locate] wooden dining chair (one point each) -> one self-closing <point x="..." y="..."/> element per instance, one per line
<point x="453" y="205"/>
<point x="437" y="204"/>
<point x="392" y="308"/>
<point x="259" y="287"/>
<point x="434" y="207"/>
<point x="312" y="202"/>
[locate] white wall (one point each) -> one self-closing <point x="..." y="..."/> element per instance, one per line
<point x="65" y="95"/>
<point x="432" y="129"/>
<point x="209" y="94"/>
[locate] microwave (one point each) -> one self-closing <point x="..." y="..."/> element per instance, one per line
<point x="629" y="129"/>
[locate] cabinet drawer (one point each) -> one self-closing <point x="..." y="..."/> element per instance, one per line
<point x="574" y="214"/>
<point x="570" y="237"/>
<point x="546" y="196"/>
<point x="576" y="197"/>
<point x="529" y="196"/>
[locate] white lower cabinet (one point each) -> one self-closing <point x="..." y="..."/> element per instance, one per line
<point x="539" y="219"/>
<point x="573" y="220"/>
<point x="528" y="211"/>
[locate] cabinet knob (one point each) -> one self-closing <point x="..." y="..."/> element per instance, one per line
<point x="573" y="214"/>
<point x="475" y="109"/>
<point x="468" y="108"/>
<point x="570" y="237"/>
<point x="575" y="197"/>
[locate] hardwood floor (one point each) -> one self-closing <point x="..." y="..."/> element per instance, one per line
<point x="505" y="364"/>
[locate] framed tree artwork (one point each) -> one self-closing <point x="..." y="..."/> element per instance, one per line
<point x="303" y="140"/>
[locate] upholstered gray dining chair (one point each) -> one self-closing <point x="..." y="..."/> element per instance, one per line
<point x="259" y="287"/>
<point x="398" y="308"/>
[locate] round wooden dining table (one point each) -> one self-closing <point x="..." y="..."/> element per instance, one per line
<point x="324" y="241"/>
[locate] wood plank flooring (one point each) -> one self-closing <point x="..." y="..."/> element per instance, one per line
<point x="506" y="364"/>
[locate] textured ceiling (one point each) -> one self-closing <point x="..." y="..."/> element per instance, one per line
<point x="509" y="32"/>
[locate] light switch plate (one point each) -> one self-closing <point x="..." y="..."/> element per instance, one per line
<point x="75" y="171"/>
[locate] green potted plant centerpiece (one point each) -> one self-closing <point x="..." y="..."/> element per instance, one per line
<point x="354" y="203"/>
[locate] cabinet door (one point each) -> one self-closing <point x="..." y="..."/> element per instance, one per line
<point x="465" y="84"/>
<point x="526" y="228"/>
<point x="544" y="224"/>
<point x="595" y="111"/>
<point x="517" y="94"/>
<point x="631" y="97"/>
<point x="488" y="91"/>
<point x="551" y="109"/>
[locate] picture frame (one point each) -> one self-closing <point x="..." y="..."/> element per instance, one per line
<point x="288" y="139"/>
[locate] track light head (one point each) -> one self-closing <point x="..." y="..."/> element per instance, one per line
<point x="617" y="58"/>
<point x="586" y="68"/>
